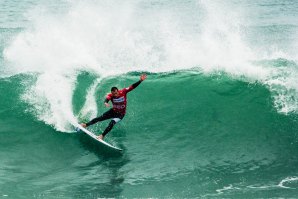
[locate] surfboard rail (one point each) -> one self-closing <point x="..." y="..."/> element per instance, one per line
<point x="92" y="135"/>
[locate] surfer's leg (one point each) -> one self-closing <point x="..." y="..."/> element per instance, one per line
<point x="109" y="128"/>
<point x="117" y="118"/>
<point x="107" y="115"/>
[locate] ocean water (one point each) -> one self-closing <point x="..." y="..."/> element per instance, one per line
<point x="217" y="116"/>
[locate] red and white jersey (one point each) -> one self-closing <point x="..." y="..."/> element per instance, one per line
<point x="120" y="102"/>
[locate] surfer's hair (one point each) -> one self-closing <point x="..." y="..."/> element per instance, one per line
<point x="114" y="89"/>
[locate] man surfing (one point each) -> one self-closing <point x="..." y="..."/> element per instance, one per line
<point x="117" y="113"/>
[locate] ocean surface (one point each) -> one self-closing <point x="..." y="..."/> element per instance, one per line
<point x="217" y="116"/>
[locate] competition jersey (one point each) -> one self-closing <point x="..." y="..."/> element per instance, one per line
<point x="119" y="103"/>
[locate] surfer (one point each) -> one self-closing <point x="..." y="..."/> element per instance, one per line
<point x="117" y="113"/>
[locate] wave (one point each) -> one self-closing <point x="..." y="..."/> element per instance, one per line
<point x="109" y="39"/>
<point x="225" y="126"/>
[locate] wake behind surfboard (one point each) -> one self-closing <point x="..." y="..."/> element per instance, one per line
<point x="92" y="135"/>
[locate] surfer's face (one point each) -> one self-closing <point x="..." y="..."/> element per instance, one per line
<point x="115" y="93"/>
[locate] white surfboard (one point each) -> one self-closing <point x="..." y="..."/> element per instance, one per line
<point x="92" y="135"/>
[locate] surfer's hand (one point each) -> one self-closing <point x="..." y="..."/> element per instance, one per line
<point x="107" y="104"/>
<point x="84" y="125"/>
<point x="143" y="77"/>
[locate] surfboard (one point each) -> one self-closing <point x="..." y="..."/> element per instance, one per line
<point x="92" y="135"/>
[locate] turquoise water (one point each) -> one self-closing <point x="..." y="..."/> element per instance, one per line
<point x="216" y="117"/>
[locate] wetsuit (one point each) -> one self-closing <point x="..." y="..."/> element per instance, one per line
<point x="119" y="108"/>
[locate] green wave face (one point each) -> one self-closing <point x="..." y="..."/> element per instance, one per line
<point x="181" y="127"/>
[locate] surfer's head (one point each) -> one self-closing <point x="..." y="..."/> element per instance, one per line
<point x="114" y="91"/>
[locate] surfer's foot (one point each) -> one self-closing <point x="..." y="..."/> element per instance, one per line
<point x="100" y="137"/>
<point x="84" y="125"/>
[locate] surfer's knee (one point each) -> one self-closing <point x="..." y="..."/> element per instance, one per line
<point x="116" y="120"/>
<point x="112" y="123"/>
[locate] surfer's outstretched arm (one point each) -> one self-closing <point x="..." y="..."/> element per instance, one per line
<point x="135" y="85"/>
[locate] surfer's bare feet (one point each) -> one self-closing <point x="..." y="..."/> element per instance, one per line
<point x="84" y="125"/>
<point x="100" y="137"/>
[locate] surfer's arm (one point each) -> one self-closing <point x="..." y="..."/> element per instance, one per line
<point x="135" y="85"/>
<point x="108" y="98"/>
